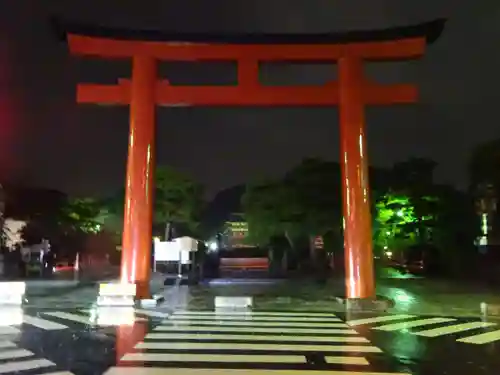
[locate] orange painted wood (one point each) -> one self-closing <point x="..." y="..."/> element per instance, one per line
<point x="249" y="95"/>
<point x="179" y="51"/>
<point x="360" y="281"/>
<point x="138" y="211"/>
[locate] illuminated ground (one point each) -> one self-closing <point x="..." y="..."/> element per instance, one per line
<point x="417" y="296"/>
<point x="78" y="339"/>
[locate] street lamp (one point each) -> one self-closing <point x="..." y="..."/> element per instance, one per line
<point x="212" y="246"/>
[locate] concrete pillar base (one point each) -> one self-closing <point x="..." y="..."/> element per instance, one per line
<point x="377" y="304"/>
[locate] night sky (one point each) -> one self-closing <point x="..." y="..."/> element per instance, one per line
<point x="47" y="140"/>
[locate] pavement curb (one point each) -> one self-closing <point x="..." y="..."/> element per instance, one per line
<point x="159" y="297"/>
<point x="489" y="309"/>
<point x="377" y="304"/>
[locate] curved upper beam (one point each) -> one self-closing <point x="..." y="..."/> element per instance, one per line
<point x="430" y="31"/>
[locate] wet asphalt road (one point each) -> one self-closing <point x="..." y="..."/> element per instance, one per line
<point x="87" y="341"/>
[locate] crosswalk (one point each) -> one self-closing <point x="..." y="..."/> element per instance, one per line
<point x="16" y="360"/>
<point x="475" y="332"/>
<point x="12" y="320"/>
<point x="250" y="343"/>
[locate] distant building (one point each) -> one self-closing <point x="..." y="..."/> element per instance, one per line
<point x="486" y="198"/>
<point x="235" y="233"/>
<point x="13" y="232"/>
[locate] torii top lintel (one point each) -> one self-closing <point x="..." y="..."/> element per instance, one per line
<point x="392" y="43"/>
<point x="398" y="43"/>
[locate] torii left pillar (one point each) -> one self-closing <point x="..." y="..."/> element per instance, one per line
<point x="139" y="187"/>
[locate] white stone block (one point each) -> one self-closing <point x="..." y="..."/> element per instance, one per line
<point x="12" y="292"/>
<point x="233" y="302"/>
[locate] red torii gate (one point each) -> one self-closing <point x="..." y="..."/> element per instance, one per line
<point x="145" y="90"/>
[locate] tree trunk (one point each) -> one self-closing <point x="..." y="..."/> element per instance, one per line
<point x="284" y="263"/>
<point x="290" y="241"/>
<point x="168" y="231"/>
<point x="313" y="252"/>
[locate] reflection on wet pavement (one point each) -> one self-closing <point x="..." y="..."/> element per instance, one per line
<point x="243" y="341"/>
<point x="472" y="332"/>
<point x="218" y="340"/>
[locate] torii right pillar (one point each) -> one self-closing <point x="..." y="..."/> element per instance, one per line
<point x="358" y="250"/>
<point x="354" y="89"/>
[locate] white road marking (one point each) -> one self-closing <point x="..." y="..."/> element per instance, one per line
<point x="15" y="353"/>
<point x="483" y="338"/>
<point x="453" y="329"/>
<point x="7" y="344"/>
<point x="68" y="316"/>
<point x="236" y="358"/>
<point x="249" y="337"/>
<point x="257" y="318"/>
<point x="256" y="313"/>
<point x="150" y="345"/>
<point x="197" y="328"/>
<point x="19" y="366"/>
<point x="221" y="358"/>
<point x="153" y="314"/>
<point x="412" y="324"/>
<point x="7" y="330"/>
<point x="42" y="323"/>
<point x="341" y="360"/>
<point x="378" y="319"/>
<point x="259" y="324"/>
<point x="202" y="371"/>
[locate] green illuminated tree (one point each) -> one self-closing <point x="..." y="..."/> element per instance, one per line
<point x="82" y="214"/>
<point x="399" y="223"/>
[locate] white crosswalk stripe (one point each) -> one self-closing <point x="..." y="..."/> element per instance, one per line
<point x="209" y="371"/>
<point x="42" y="323"/>
<point x="319" y="331"/>
<point x="468" y="332"/>
<point x="70" y="316"/>
<point x="482" y="338"/>
<point x="251" y="337"/>
<point x="17" y="360"/>
<point x="456" y="328"/>
<point x="253" y="319"/>
<point x="8" y="330"/>
<point x="244" y="323"/>
<point x="412" y="324"/>
<point x="204" y="343"/>
<point x="12" y="319"/>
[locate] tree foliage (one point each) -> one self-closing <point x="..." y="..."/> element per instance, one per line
<point x="409" y="208"/>
<point x="73" y="218"/>
<point x="271" y="210"/>
<point x="82" y="214"/>
<point x="484" y="164"/>
<point x="399" y="224"/>
<point x="178" y="199"/>
<point x="303" y="204"/>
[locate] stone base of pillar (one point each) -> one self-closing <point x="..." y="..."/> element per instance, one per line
<point x="489" y="309"/>
<point x="151" y="302"/>
<point x="377" y="304"/>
